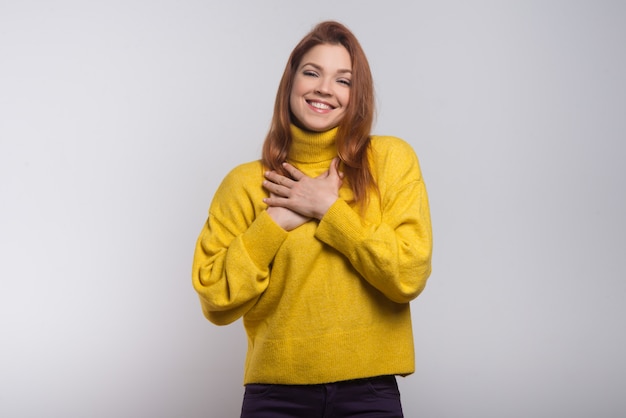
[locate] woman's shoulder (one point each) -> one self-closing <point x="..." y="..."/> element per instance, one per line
<point x="393" y="162"/>
<point x="390" y="154"/>
<point x="240" y="191"/>
<point x="246" y="169"/>
<point x="243" y="175"/>
<point x="385" y="144"/>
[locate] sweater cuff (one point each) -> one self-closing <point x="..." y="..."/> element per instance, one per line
<point x="341" y="227"/>
<point x="263" y="239"/>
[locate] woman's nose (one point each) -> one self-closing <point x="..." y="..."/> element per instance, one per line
<point x="323" y="87"/>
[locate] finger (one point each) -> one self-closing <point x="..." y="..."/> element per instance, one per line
<point x="334" y="168"/>
<point x="275" y="200"/>
<point x="276" y="189"/>
<point x="323" y="175"/>
<point x="339" y="172"/>
<point x="276" y="178"/>
<point x="295" y="174"/>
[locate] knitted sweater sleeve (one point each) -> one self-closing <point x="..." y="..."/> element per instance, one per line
<point x="234" y="251"/>
<point x="393" y="255"/>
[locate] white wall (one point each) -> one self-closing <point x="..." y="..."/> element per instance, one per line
<point x="118" y="119"/>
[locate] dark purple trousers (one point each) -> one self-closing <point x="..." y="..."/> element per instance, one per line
<point x="376" y="397"/>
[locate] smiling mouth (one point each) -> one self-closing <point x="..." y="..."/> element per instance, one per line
<point x="318" y="105"/>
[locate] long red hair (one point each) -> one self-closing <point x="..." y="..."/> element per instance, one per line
<point x="353" y="134"/>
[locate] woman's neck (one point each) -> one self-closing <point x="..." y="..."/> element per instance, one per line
<point x="312" y="147"/>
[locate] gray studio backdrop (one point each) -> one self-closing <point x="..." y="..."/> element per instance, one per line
<point x="118" y="119"/>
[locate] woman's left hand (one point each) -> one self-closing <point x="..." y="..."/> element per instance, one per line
<point x="308" y="196"/>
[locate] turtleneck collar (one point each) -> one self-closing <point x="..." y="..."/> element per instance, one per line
<point x="312" y="147"/>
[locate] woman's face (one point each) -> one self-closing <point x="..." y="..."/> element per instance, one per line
<point x="321" y="87"/>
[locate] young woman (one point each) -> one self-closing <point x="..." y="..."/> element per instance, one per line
<point x="321" y="245"/>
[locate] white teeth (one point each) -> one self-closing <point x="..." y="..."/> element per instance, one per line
<point x="320" y="105"/>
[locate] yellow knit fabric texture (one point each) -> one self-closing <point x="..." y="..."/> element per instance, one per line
<point x="328" y="301"/>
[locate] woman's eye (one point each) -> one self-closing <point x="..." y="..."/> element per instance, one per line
<point x="310" y="73"/>
<point x="344" y="81"/>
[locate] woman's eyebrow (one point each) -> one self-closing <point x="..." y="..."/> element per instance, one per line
<point x="320" y="68"/>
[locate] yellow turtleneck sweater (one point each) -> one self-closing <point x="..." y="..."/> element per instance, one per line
<point x="328" y="301"/>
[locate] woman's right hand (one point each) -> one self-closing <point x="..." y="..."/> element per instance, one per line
<point x="308" y="196"/>
<point x="286" y="218"/>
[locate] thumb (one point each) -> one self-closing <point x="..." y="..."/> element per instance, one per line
<point x="334" y="168"/>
